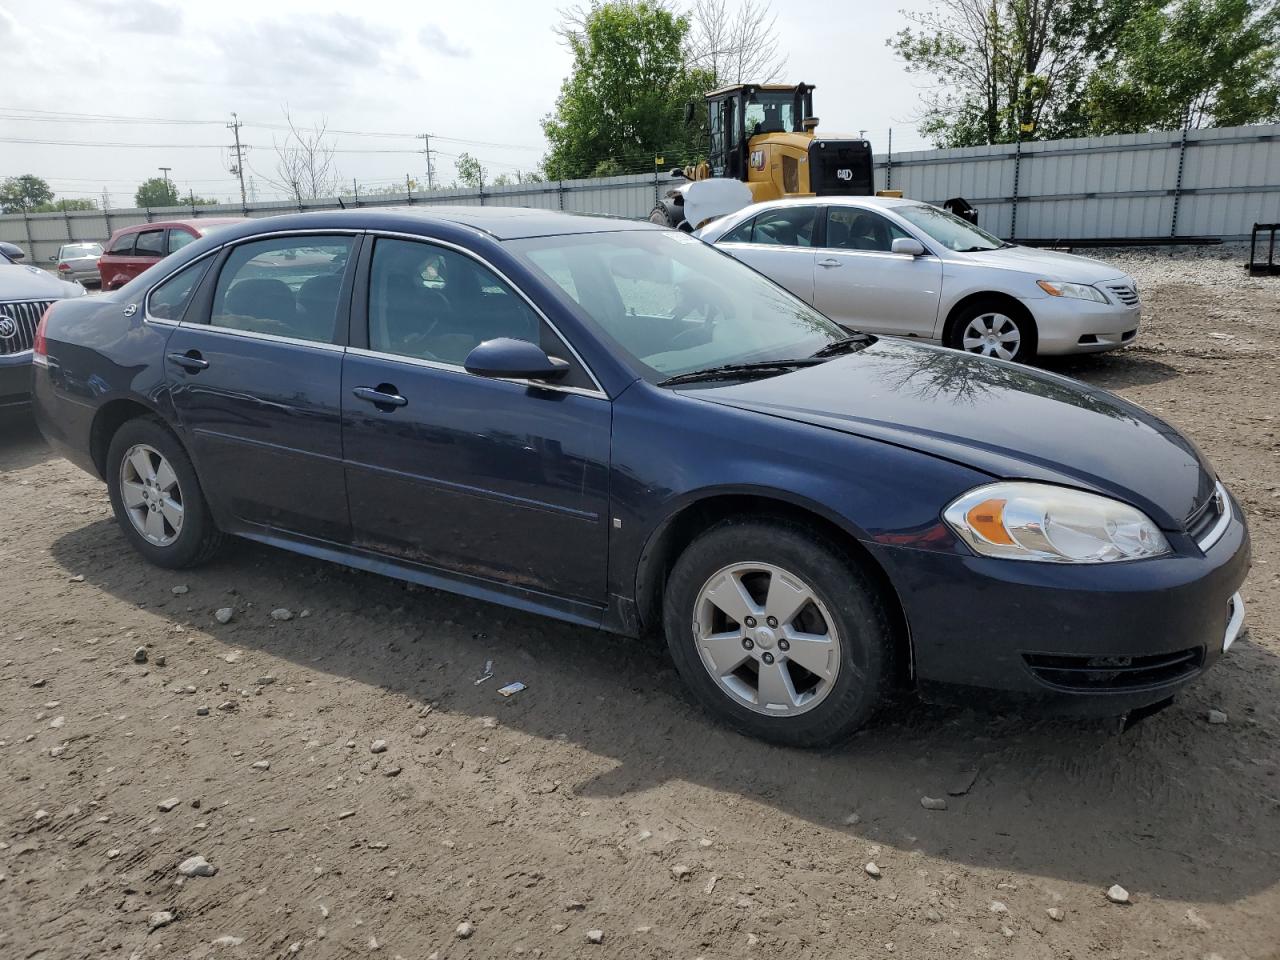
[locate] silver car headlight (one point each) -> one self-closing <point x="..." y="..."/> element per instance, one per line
<point x="1051" y="524"/>
<point x="1075" y="291"/>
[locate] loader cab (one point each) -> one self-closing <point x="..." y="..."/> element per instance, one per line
<point x="737" y="113"/>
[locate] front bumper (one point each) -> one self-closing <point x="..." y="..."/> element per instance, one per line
<point x="1101" y="639"/>
<point x="15" y="378"/>
<point x="1067" y="325"/>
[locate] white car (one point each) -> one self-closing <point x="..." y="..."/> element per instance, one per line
<point x="901" y="267"/>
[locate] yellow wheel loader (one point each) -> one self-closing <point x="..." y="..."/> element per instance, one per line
<point x="763" y="137"/>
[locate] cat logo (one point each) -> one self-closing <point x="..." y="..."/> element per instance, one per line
<point x="757" y="159"/>
<point x="844" y="173"/>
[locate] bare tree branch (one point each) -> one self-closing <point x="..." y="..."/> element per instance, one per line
<point x="305" y="162"/>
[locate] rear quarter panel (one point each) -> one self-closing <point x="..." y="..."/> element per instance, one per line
<point x="96" y="354"/>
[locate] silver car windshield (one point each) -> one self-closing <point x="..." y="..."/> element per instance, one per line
<point x="948" y="229"/>
<point x="72" y="250"/>
<point x="676" y="304"/>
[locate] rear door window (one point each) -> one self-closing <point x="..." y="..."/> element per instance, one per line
<point x="786" y="226"/>
<point x="285" y="287"/>
<point x="179" y="239"/>
<point x="150" y="244"/>
<point x="169" y="300"/>
<point x="741" y="233"/>
<point x="123" y="247"/>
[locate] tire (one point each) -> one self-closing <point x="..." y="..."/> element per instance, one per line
<point x="984" y="317"/>
<point x="662" y="218"/>
<point x="195" y="538"/>
<point x="859" y="665"/>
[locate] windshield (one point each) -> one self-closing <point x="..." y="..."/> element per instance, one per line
<point x="72" y="250"/>
<point x="771" y="113"/>
<point x="948" y="229"/>
<point x="675" y="304"/>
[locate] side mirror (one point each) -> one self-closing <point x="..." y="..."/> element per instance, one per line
<point x="53" y="259"/>
<point x="678" y="174"/>
<point x="908" y="247"/>
<point x="508" y="359"/>
<point x="12" y="251"/>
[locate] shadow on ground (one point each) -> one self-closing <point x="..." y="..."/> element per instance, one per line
<point x="1114" y="370"/>
<point x="1175" y="807"/>
<point x="20" y="442"/>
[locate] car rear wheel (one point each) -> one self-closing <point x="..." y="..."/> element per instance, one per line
<point x="779" y="631"/>
<point x="995" y="330"/>
<point x="157" y="498"/>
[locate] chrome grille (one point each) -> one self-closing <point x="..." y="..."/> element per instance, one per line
<point x="1208" y="522"/>
<point x="1126" y="294"/>
<point x="25" y="314"/>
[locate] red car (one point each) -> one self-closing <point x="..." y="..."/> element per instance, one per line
<point x="133" y="249"/>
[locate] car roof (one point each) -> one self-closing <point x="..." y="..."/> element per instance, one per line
<point x="841" y="201"/>
<point x="195" y="223"/>
<point x="500" y="223"/>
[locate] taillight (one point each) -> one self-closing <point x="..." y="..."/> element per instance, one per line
<point x="40" y="347"/>
<point x="64" y="266"/>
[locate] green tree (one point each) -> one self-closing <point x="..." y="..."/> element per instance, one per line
<point x="156" y="192"/>
<point x="626" y="93"/>
<point x="470" y="171"/>
<point x="1007" y="69"/>
<point x="1043" y="69"/>
<point x="64" y="204"/>
<point x="23" y="193"/>
<point x="1190" y="64"/>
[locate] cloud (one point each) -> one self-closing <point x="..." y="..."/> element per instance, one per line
<point x="304" y="59"/>
<point x="433" y="38"/>
<point x="147" y="16"/>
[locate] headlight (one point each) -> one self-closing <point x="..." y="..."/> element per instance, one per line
<point x="1077" y="291"/>
<point x="1038" y="521"/>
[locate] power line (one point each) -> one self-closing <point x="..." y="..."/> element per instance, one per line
<point x="69" y="117"/>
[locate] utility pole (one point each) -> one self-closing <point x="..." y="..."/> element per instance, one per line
<point x="237" y="168"/>
<point x="167" y="185"/>
<point x="426" y="148"/>
<point x="106" y="199"/>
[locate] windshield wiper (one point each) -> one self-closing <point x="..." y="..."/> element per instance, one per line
<point x="737" y="371"/>
<point x="850" y="344"/>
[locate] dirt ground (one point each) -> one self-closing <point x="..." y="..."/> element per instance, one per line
<point x="600" y="798"/>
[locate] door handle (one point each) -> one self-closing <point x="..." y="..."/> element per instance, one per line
<point x="830" y="262"/>
<point x="191" y="360"/>
<point x="383" y="395"/>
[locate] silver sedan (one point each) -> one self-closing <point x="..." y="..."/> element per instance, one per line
<point x="901" y="267"/>
<point x="78" y="262"/>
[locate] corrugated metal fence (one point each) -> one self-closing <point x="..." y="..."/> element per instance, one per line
<point x="1215" y="182"/>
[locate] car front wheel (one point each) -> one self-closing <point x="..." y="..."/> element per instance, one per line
<point x="779" y="630"/>
<point x="994" y="330"/>
<point x="156" y="497"/>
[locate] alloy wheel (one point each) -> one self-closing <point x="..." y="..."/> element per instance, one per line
<point x="151" y="494"/>
<point x="992" y="335"/>
<point x="766" y="639"/>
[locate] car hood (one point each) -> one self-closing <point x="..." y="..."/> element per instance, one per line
<point x="24" y="282"/>
<point x="1009" y="421"/>
<point x="1046" y="264"/>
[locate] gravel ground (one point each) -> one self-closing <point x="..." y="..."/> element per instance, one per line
<point x="599" y="813"/>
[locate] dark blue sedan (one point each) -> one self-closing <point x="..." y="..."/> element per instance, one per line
<point x="617" y="425"/>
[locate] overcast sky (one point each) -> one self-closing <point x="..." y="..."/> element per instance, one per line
<point x="477" y="75"/>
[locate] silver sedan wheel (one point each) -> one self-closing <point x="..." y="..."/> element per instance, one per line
<point x="766" y="639"/>
<point x="992" y="335"/>
<point x="151" y="494"/>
